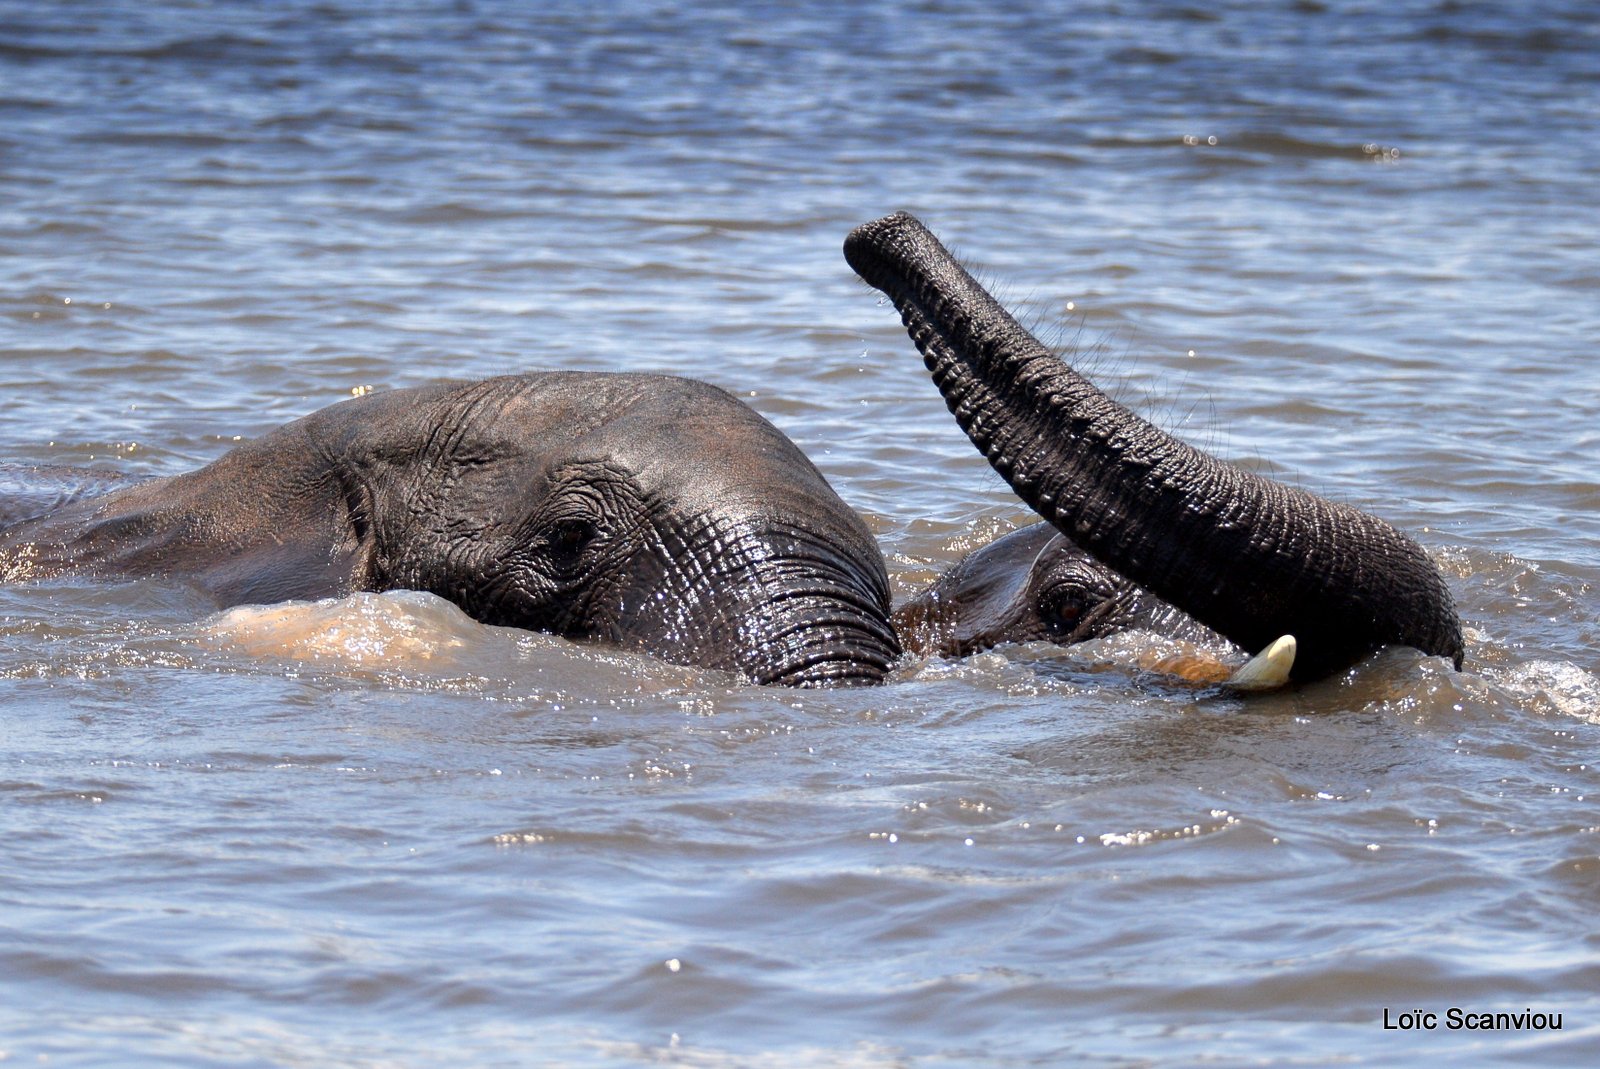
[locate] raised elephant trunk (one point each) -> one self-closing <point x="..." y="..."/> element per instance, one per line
<point x="1247" y="556"/>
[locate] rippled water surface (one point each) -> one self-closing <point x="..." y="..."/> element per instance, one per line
<point x="1351" y="245"/>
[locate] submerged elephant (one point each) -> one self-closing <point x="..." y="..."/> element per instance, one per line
<point x="656" y="513"/>
<point x="663" y="515"/>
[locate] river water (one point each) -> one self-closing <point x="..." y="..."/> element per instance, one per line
<point x="1351" y="245"/>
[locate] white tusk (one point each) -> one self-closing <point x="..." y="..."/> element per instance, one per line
<point x="1268" y="669"/>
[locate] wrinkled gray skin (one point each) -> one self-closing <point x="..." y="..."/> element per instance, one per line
<point x="1248" y="557"/>
<point x="658" y="514"/>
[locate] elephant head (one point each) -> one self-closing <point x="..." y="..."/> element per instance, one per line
<point x="655" y="513"/>
<point x="1251" y="558"/>
<point x="1032" y="585"/>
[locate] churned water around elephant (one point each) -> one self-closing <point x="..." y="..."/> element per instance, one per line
<point x="1350" y="245"/>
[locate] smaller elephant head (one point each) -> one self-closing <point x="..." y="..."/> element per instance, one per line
<point x="1032" y="585"/>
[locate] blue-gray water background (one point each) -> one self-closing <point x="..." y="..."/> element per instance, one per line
<point x="1349" y="244"/>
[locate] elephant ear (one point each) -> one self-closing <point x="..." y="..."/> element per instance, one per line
<point x="1249" y="557"/>
<point x="270" y="521"/>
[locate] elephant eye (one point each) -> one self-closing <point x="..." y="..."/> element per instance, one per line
<point x="569" y="537"/>
<point x="1070" y="600"/>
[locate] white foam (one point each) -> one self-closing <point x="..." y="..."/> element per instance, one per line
<point x="1571" y="690"/>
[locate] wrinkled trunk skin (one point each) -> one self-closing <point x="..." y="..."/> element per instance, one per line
<point x="1247" y="556"/>
<point x="772" y="601"/>
<point x="819" y="637"/>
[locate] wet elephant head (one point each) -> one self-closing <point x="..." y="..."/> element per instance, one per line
<point x="1032" y="585"/>
<point x="1251" y="558"/>
<point x="659" y="514"/>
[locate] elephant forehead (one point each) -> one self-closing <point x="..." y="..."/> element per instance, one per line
<point x="683" y="440"/>
<point x="655" y="411"/>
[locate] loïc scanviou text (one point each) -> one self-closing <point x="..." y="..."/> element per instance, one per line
<point x="1456" y="1018"/>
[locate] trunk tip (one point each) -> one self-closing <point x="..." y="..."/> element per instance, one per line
<point x="870" y="240"/>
